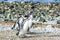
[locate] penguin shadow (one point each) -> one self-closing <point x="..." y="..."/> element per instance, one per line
<point x="29" y="35"/>
<point x="26" y="37"/>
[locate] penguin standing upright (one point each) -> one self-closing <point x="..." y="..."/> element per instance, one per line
<point x="18" y="24"/>
<point x="25" y="28"/>
<point x="30" y="21"/>
<point x="27" y="25"/>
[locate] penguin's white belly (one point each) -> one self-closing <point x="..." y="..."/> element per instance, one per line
<point x="30" y="23"/>
<point x="16" y="26"/>
<point x="20" y="20"/>
<point x="26" y="25"/>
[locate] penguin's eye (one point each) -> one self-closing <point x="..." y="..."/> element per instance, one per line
<point x="26" y="15"/>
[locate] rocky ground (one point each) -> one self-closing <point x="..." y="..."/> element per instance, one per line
<point x="10" y="35"/>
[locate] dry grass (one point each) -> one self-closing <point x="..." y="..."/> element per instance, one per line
<point x="45" y="25"/>
<point x="10" y="23"/>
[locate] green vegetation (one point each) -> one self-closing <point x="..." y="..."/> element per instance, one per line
<point x="9" y="11"/>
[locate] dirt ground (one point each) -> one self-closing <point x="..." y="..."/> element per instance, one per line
<point x="11" y="23"/>
<point x="9" y="35"/>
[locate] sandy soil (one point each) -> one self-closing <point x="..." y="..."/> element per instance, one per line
<point x="9" y="35"/>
